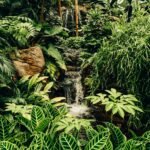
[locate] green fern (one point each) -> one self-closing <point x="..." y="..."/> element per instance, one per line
<point x="54" y="53"/>
<point x="6" y="67"/>
<point x="52" y="31"/>
<point x="19" y="28"/>
<point x="5" y="145"/>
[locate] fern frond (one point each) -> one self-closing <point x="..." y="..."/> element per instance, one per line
<point x="5" y="145"/>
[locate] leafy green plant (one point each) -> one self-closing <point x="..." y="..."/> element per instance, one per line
<point x="18" y="30"/>
<point x="8" y="145"/>
<point x="123" y="60"/>
<point x="71" y="123"/>
<point x="55" y="54"/>
<point x="35" y="90"/>
<point x="68" y="142"/>
<point x="6" y="71"/>
<point x="96" y="29"/>
<point x="29" y="90"/>
<point x="74" y="42"/>
<point x="39" y="132"/>
<point x="116" y="102"/>
<point x="24" y="110"/>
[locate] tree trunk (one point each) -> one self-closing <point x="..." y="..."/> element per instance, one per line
<point x="77" y="17"/>
<point x="59" y="8"/>
<point x="42" y="11"/>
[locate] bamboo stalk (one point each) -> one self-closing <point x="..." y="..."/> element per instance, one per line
<point x="77" y="17"/>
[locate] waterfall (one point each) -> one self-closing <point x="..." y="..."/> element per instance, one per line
<point x="66" y="18"/>
<point x="73" y="84"/>
<point x="80" y="18"/>
<point x="69" y="18"/>
<point x="73" y="87"/>
<point x="79" y="90"/>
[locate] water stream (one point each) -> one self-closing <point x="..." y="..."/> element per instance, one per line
<point x="73" y="87"/>
<point x="69" y="18"/>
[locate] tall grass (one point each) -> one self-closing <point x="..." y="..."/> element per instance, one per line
<point x="124" y="60"/>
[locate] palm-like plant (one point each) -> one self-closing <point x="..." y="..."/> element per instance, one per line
<point x="19" y="30"/>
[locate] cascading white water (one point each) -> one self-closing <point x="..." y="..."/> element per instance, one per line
<point x="75" y="94"/>
<point x="73" y="90"/>
<point x="66" y="18"/>
<point x="69" y="18"/>
<point x="80" y="18"/>
<point x="73" y="84"/>
<point x="79" y="89"/>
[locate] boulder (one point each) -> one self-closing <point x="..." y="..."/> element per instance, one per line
<point x="28" y="61"/>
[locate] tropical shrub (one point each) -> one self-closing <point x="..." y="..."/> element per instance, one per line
<point x="54" y="62"/>
<point x="116" y="102"/>
<point x="39" y="133"/>
<point x="74" y="42"/>
<point x="30" y="91"/>
<point x="16" y="31"/>
<point x="123" y="60"/>
<point x="96" y="29"/>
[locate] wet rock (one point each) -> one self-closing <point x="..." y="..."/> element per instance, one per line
<point x="28" y="61"/>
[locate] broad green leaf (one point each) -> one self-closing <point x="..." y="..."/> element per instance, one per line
<point x="101" y="128"/>
<point x="90" y="132"/>
<point x="114" y="109"/>
<point x="5" y="129"/>
<point x="57" y="99"/>
<point x="48" y="86"/>
<point x="134" y="145"/>
<point x="108" y="146"/>
<point x="113" y="92"/>
<point x="146" y="136"/>
<point x="121" y="111"/>
<point x="36" y="116"/>
<point x="129" y="109"/>
<point x="37" y="142"/>
<point x="98" y="142"/>
<point x="68" y="142"/>
<point x="25" y="122"/>
<point x="43" y="125"/>
<point x="117" y="136"/>
<point x="109" y="106"/>
<point x="137" y="108"/>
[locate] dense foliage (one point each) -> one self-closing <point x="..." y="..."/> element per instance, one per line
<point x="123" y="60"/>
<point x="112" y="52"/>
